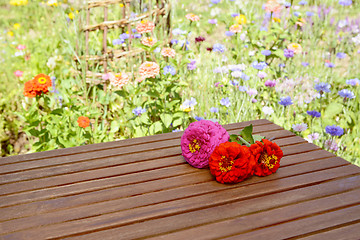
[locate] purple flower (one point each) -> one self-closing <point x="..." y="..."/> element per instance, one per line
<point x="329" y="64"/>
<point x="217" y="47"/>
<point x="124" y="36"/>
<point x="199" y="141"/>
<point x="236" y="74"/>
<point x="287" y="4"/>
<point x="212" y="21"/>
<point x="133" y="30"/>
<point x="199" y="39"/>
<point x="252" y="91"/>
<point x="138" y="111"/>
<point x="346" y="94"/>
<point x="259" y="65"/>
<point x="192" y="65"/>
<point x="118" y="41"/>
<point x="281" y="65"/>
<point x="309" y="14"/>
<point x="214" y="110"/>
<point x="138" y="35"/>
<point x="244" y="77"/>
<point x="331" y="145"/>
<point x="198" y="118"/>
<point x="225" y="102"/>
<point x="215" y="1"/>
<point x="341" y="55"/>
<point x="305" y="64"/>
<point x="235" y="15"/>
<point x="299" y="127"/>
<point x="233" y="82"/>
<point x="169" y="70"/>
<point x="254" y="100"/>
<point x="314" y="113"/>
<point x="266" y="52"/>
<point x="302" y="2"/>
<point x="345" y="2"/>
<point x="243" y="88"/>
<point x="174" y="41"/>
<point x="270" y="83"/>
<point x="322" y="87"/>
<point x="178" y="31"/>
<point x="288" y="53"/>
<point x="229" y="33"/>
<point x="285" y="101"/>
<point x="353" y="82"/>
<point x="296" y="14"/>
<point x="334" y="130"/>
<point x="262" y="75"/>
<point x="312" y="137"/>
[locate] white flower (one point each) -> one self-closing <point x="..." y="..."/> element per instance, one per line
<point x="356" y="39"/>
<point x="299" y="127"/>
<point x="51" y="63"/>
<point x="252" y="53"/>
<point x="312" y="137"/>
<point x="267" y="110"/>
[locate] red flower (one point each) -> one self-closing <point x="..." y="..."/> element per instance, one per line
<point x="267" y="156"/>
<point x="39" y="84"/>
<point x="83" y="122"/>
<point x="231" y="163"/>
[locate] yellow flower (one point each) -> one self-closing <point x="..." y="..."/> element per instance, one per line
<point x="16" y="26"/>
<point x="18" y="2"/>
<point x="10" y="33"/>
<point x="52" y="3"/>
<point x="241" y="19"/>
<point x="71" y="15"/>
<point x="275" y="19"/>
<point x="121" y="5"/>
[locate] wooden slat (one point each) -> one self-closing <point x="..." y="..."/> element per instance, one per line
<point x="190" y="205"/>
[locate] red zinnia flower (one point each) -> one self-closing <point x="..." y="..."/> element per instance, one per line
<point x="39" y="84"/>
<point x="231" y="163"/>
<point x="267" y="157"/>
<point x="83" y="122"/>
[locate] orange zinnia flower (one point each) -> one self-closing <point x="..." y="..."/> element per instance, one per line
<point x="192" y="17"/>
<point x="148" y="41"/>
<point x="39" y="84"/>
<point x="168" y="52"/>
<point x="83" y="122"/>
<point x="145" y="26"/>
<point x="236" y="28"/>
<point x="272" y="6"/>
<point x="295" y="47"/>
<point x="149" y="69"/>
<point x="119" y="79"/>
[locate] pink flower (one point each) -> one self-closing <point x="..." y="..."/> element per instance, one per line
<point x="119" y="79"/>
<point x="106" y="76"/>
<point x="20" y="47"/>
<point x="295" y="47"/>
<point x="149" y="69"/>
<point x="236" y="28"/>
<point x="272" y="6"/>
<point x="168" y="52"/>
<point x="192" y="17"/>
<point x="148" y="41"/>
<point x="145" y="26"/>
<point x="199" y="141"/>
<point x="18" y="73"/>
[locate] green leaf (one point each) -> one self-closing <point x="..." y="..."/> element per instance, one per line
<point x="115" y="125"/>
<point x="246" y="134"/>
<point x="233" y="138"/>
<point x="58" y="111"/>
<point x="258" y="138"/>
<point x="156" y="127"/>
<point x="177" y="122"/>
<point x="333" y="109"/>
<point x="166" y="119"/>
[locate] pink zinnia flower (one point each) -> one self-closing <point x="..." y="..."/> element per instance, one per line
<point x="119" y="79"/>
<point x="20" y="47"/>
<point x="236" y="28"/>
<point x="192" y="17"/>
<point x="148" y="41"/>
<point x="295" y="47"/>
<point x="149" y="69"/>
<point x="272" y="6"/>
<point x="145" y="26"/>
<point x="106" y="76"/>
<point x="199" y="141"/>
<point x="168" y="52"/>
<point x="18" y="73"/>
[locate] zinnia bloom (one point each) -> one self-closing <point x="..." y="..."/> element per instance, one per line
<point x="149" y="69"/>
<point x="148" y="41"/>
<point x="267" y="157"/>
<point x="18" y="73"/>
<point x="145" y="26"/>
<point x="192" y="17"/>
<point x="295" y="47"/>
<point x="83" y="122"/>
<point x="168" y="52"/>
<point x="199" y="141"/>
<point x="119" y="79"/>
<point x="272" y="6"/>
<point x="39" y="84"/>
<point x="236" y="28"/>
<point x="231" y="163"/>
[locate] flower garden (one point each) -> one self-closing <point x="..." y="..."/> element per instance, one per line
<point x="295" y="63"/>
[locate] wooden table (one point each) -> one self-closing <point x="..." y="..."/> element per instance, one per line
<point x="142" y="188"/>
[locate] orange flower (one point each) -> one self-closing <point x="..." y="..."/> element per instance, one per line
<point x="272" y="6"/>
<point x="236" y="28"/>
<point x="149" y="69"/>
<point x="148" y="41"/>
<point x="39" y="84"/>
<point x="192" y="17"/>
<point x="83" y="122"/>
<point x="168" y="52"/>
<point x="119" y="79"/>
<point x="295" y="47"/>
<point x="29" y="90"/>
<point x="145" y="26"/>
<point x="300" y="22"/>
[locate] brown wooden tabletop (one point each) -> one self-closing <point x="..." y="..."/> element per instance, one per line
<point x="143" y="188"/>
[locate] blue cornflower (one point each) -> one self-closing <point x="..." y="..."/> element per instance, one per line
<point x="322" y="87"/>
<point x="236" y="74"/>
<point x="124" y="36"/>
<point x="234" y="82"/>
<point x="285" y="101"/>
<point x="138" y="111"/>
<point x="263" y="29"/>
<point x="225" y="102"/>
<point x="266" y="52"/>
<point x="345" y="2"/>
<point x="288" y="53"/>
<point x="245" y="77"/>
<point x="229" y="33"/>
<point x="346" y="94"/>
<point x="314" y="113"/>
<point x="198" y="118"/>
<point x="215" y="1"/>
<point x="174" y="41"/>
<point x="192" y="65"/>
<point x="305" y="64"/>
<point x="341" y="55"/>
<point x="169" y="70"/>
<point x="243" y="88"/>
<point x="259" y="65"/>
<point x="302" y="2"/>
<point x="134" y="30"/>
<point x="329" y="64"/>
<point x="334" y="130"/>
<point x="287" y="4"/>
<point x="214" y="110"/>
<point x="137" y="35"/>
<point x="235" y="14"/>
<point x="281" y="65"/>
<point x="353" y="82"/>
<point x="217" y="47"/>
<point x="118" y="41"/>
<point x="178" y="31"/>
<point x="212" y="21"/>
<point x="309" y="14"/>
<point x="296" y="14"/>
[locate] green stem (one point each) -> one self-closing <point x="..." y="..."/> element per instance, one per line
<point x="244" y="141"/>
